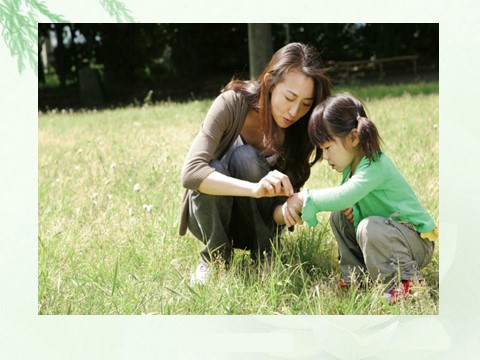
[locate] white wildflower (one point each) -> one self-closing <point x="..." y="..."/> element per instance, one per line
<point x="113" y="165"/>
<point x="136" y="187"/>
<point x="79" y="151"/>
<point x="147" y="208"/>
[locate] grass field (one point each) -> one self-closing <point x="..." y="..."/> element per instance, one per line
<point x="109" y="193"/>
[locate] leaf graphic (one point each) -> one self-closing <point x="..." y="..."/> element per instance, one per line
<point x="117" y="10"/>
<point x="19" y="29"/>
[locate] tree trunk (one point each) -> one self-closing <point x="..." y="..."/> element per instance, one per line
<point x="260" y="48"/>
<point x="59" y="52"/>
<point x="41" y="73"/>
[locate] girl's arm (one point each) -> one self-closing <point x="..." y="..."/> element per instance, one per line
<point x="287" y="214"/>
<point x="367" y="177"/>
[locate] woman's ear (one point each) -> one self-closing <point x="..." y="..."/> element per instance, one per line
<point x="267" y="80"/>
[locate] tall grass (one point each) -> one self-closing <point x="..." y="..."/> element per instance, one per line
<point x="109" y="195"/>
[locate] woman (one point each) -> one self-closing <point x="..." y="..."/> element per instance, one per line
<point x="251" y="152"/>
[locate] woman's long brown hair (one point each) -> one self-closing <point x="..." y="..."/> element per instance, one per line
<point x="295" y="158"/>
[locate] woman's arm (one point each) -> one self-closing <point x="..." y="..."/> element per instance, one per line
<point x="274" y="183"/>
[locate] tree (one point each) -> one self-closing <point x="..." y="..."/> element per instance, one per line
<point x="260" y="47"/>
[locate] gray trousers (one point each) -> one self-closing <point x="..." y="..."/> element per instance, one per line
<point x="387" y="249"/>
<point x="227" y="222"/>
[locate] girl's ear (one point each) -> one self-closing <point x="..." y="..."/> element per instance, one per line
<point x="354" y="140"/>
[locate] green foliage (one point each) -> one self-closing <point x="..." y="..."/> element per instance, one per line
<point x="107" y="246"/>
<point x="19" y="25"/>
<point x="117" y="10"/>
<point x="199" y="51"/>
<point x="20" y="18"/>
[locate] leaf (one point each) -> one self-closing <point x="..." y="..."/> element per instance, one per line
<point x="176" y="292"/>
<point x="42" y="8"/>
<point x="117" y="10"/>
<point x="20" y="31"/>
<point x="114" y="285"/>
<point x="21" y="66"/>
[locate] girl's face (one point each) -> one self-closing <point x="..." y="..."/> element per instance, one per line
<point x="341" y="153"/>
<point x="292" y="98"/>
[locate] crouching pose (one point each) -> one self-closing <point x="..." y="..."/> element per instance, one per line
<point x="391" y="235"/>
<point x="251" y="152"/>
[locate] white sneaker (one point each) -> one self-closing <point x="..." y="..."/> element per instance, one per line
<point x="202" y="273"/>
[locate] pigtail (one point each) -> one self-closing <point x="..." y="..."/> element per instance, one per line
<point x="369" y="138"/>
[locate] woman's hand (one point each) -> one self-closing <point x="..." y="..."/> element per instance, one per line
<point x="274" y="183"/>
<point x="292" y="210"/>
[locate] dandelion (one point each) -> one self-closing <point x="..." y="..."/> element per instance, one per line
<point x="113" y="166"/>
<point x="147" y="208"/>
<point x="95" y="196"/>
<point x="130" y="212"/>
<point x="109" y="197"/>
<point x="435" y="126"/>
<point x="136" y="187"/>
<point x="79" y="151"/>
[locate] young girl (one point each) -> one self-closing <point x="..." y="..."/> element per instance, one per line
<point x="249" y="155"/>
<point x="391" y="235"/>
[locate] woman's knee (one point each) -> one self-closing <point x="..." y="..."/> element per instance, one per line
<point x="247" y="163"/>
<point x="219" y="167"/>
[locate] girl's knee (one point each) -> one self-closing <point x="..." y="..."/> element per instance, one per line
<point x="371" y="223"/>
<point x="371" y="228"/>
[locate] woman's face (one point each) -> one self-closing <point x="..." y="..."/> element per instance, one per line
<point x="292" y="98"/>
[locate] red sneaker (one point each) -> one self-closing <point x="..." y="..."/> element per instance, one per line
<point x="400" y="292"/>
<point x="342" y="284"/>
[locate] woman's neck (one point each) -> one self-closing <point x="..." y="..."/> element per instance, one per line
<point x="253" y="134"/>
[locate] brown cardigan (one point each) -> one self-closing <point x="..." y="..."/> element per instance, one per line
<point x="219" y="130"/>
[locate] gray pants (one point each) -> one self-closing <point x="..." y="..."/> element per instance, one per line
<point x="226" y="222"/>
<point x="387" y="249"/>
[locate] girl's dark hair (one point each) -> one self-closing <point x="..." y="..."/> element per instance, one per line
<point x="295" y="153"/>
<point x="337" y="116"/>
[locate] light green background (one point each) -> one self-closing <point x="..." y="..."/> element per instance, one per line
<point x="454" y="334"/>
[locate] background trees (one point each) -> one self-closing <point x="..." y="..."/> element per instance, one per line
<point x="176" y="60"/>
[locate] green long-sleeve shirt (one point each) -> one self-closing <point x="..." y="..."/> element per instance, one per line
<point x="376" y="188"/>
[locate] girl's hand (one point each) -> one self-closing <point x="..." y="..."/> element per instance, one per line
<point x="348" y="212"/>
<point x="292" y="210"/>
<point x="274" y="183"/>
